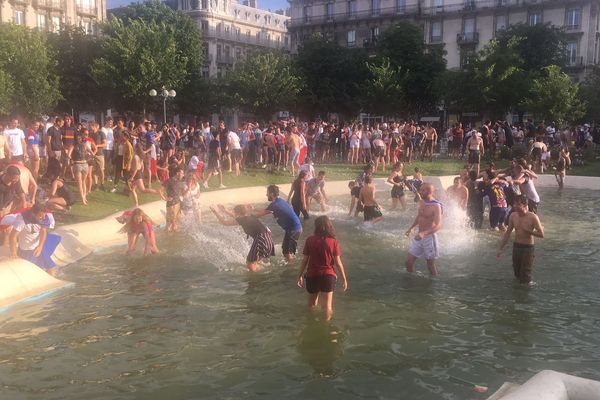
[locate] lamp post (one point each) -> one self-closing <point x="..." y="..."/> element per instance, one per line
<point x="165" y="94"/>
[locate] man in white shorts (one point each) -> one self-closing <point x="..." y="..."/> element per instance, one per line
<point x="429" y="221"/>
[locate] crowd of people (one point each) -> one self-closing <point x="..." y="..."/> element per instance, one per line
<point x="38" y="161"/>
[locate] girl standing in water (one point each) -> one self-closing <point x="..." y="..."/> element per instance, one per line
<point x="321" y="253"/>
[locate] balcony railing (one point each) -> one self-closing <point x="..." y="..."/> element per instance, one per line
<point x="21" y="2"/>
<point x="467" y="38"/>
<point x="412" y="10"/>
<point x="50" y="4"/>
<point x="87" y="10"/>
<point x="242" y="38"/>
<point x="224" y="59"/>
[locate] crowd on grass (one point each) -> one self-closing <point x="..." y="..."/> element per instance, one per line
<point x="39" y="159"/>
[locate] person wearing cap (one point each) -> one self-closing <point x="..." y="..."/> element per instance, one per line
<point x="476" y="150"/>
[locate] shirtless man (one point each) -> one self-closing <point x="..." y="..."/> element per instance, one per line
<point x="371" y="209"/>
<point x="293" y="141"/>
<point x="430" y="139"/>
<point x="458" y="193"/>
<point x="476" y="150"/>
<point x="526" y="225"/>
<point x="429" y="221"/>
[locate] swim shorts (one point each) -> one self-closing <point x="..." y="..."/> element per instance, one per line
<point x="474" y="157"/>
<point x="290" y="241"/>
<point x="371" y="212"/>
<point x="322" y="283"/>
<point x="425" y="248"/>
<point x="522" y="258"/>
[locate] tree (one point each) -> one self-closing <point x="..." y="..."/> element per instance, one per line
<point x="382" y="91"/>
<point x="28" y="63"/>
<point x="75" y="53"/>
<point x="189" y="44"/>
<point x="332" y="77"/>
<point x="149" y="45"/>
<point x="139" y="56"/>
<point x="589" y="93"/>
<point x="404" y="46"/>
<point x="505" y="68"/>
<point x="6" y="93"/>
<point x="554" y="97"/>
<point x="263" y="84"/>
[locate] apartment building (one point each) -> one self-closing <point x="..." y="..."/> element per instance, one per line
<point x="50" y="15"/>
<point x="232" y="31"/>
<point x="462" y="26"/>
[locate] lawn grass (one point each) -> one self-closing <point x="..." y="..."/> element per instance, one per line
<point x="102" y="204"/>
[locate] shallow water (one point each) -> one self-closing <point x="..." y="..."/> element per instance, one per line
<point x="192" y="323"/>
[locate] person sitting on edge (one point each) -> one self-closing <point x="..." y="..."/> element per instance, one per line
<point x="526" y="225"/>
<point x="321" y="252"/>
<point x="286" y="219"/>
<point x="262" y="240"/>
<point x="429" y="221"/>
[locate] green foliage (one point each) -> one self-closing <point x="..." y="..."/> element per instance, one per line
<point x="458" y="91"/>
<point x="332" y="77"/>
<point x="263" y="84"/>
<point x="26" y="60"/>
<point x="382" y="91"/>
<point x="590" y="95"/>
<point x="6" y="93"/>
<point x="148" y="46"/>
<point x="138" y="56"/>
<point x="75" y="53"/>
<point x="555" y="97"/>
<point x="504" y="70"/>
<point x="404" y="46"/>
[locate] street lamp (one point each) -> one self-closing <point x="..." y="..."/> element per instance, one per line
<point x="165" y="94"/>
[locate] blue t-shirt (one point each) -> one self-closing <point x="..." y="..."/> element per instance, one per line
<point x="284" y="214"/>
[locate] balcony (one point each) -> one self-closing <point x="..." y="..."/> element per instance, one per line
<point x="353" y="15"/>
<point x="234" y="37"/>
<point x="88" y="10"/>
<point x="467" y="38"/>
<point x="20" y="2"/>
<point x="54" y="5"/>
<point x="370" y="43"/>
<point x="224" y="59"/>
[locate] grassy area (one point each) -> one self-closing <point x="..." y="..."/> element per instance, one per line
<point x="102" y="204"/>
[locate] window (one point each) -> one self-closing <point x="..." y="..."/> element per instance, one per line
<point x="573" y="18"/>
<point x="238" y="53"/>
<point x="501" y="23"/>
<point x="465" y="57"/>
<point x="351" y="38"/>
<point x="436" y="32"/>
<point x="204" y="26"/>
<point x="437" y="5"/>
<point x="237" y="32"/>
<point x="224" y="7"/>
<point x="375" y="7"/>
<point x="56" y="23"/>
<point x="572" y="53"/>
<point x="306" y="13"/>
<point x="400" y="6"/>
<point x="469" y="4"/>
<point x="535" y="18"/>
<point x="374" y="33"/>
<point x="219" y="51"/>
<point x="329" y="10"/>
<point x="41" y="22"/>
<point x="352" y="8"/>
<point x="469" y="28"/>
<point x="204" y="4"/>
<point x="19" y="17"/>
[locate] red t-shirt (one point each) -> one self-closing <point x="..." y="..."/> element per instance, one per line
<point x="322" y="253"/>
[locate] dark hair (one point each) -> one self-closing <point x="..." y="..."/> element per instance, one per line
<point x="301" y="175"/>
<point x="520" y="199"/>
<point x="321" y="173"/>
<point x="273" y="189"/>
<point x="13" y="171"/>
<point x="490" y="174"/>
<point x="368" y="179"/>
<point x="473" y="175"/>
<point x="37" y="208"/>
<point x="324" y="227"/>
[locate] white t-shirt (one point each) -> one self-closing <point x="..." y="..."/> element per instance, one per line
<point x="110" y="138"/>
<point x="29" y="234"/>
<point x="14" y="137"/>
<point x="234" y="139"/>
<point x="309" y="169"/>
<point x="193" y="164"/>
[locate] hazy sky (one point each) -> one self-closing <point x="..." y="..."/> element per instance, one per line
<point x="264" y="4"/>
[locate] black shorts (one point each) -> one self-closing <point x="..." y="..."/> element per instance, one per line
<point x="271" y="155"/>
<point x="379" y="151"/>
<point x="214" y="164"/>
<point x="474" y="157"/>
<point x="236" y="154"/>
<point x="323" y="283"/>
<point x="137" y="175"/>
<point x="290" y="241"/>
<point x="397" y="192"/>
<point x="371" y="212"/>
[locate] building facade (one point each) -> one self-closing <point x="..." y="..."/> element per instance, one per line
<point x="51" y="15"/>
<point x="232" y="31"/>
<point x="462" y="26"/>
